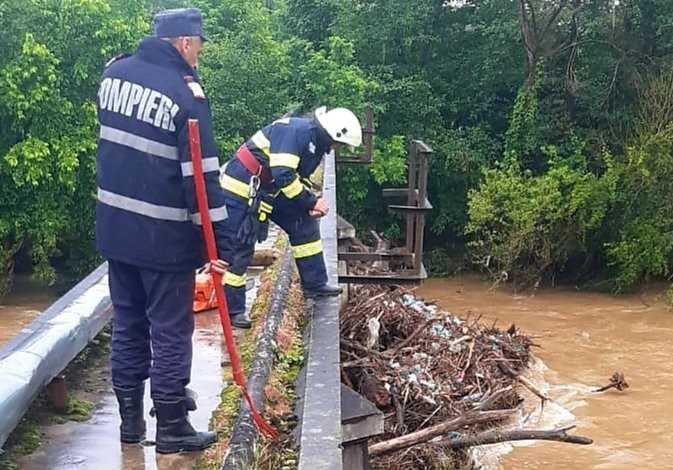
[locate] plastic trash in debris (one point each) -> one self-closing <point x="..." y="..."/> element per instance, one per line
<point x="373" y="326"/>
<point x="439" y="330"/>
<point x="420" y="356"/>
<point x="419" y="306"/>
<point x="430" y="385"/>
<point x="456" y="347"/>
<point x="412" y="378"/>
<point x="472" y="397"/>
<point x="408" y="299"/>
<point x="429" y="400"/>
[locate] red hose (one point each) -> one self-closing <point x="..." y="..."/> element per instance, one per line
<point x="211" y="248"/>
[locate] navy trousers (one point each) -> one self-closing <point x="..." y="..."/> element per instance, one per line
<point x="152" y="327"/>
<point x="304" y="234"/>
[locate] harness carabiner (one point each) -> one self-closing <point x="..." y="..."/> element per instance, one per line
<point x="253" y="186"/>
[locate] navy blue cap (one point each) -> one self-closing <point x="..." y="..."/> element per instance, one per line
<point x="179" y="22"/>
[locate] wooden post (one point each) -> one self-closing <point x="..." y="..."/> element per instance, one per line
<point x="411" y="195"/>
<point x="58" y="393"/>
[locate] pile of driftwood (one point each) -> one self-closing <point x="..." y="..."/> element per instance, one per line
<point x="443" y="383"/>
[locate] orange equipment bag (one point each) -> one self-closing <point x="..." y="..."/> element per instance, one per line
<point x="204" y="293"/>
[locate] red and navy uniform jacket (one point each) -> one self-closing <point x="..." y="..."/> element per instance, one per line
<point x="292" y="148"/>
<point x="146" y="211"/>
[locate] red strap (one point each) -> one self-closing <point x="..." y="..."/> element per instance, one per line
<point x="211" y="248"/>
<point x="246" y="157"/>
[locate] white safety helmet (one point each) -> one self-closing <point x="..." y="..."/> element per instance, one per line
<point x="341" y="125"/>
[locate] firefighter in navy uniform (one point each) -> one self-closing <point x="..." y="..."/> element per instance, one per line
<point x="147" y="223"/>
<point x="265" y="181"/>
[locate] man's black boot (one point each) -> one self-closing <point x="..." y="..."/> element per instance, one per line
<point x="190" y="402"/>
<point x="322" y="291"/>
<point x="241" y="320"/>
<point x="132" y="429"/>
<point x="175" y="433"/>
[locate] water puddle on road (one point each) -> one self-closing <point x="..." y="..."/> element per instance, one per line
<point x="94" y="444"/>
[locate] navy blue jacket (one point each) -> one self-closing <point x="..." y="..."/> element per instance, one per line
<point x="146" y="213"/>
<point x="293" y="148"/>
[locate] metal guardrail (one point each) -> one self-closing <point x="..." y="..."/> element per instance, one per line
<point x="43" y="349"/>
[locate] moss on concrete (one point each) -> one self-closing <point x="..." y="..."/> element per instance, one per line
<point x="280" y="390"/>
<point x="27" y="436"/>
<point x="224" y="417"/>
<point x="25" y="439"/>
<point x="77" y="410"/>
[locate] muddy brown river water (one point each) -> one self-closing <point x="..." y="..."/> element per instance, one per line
<point x="22" y="305"/>
<point x="584" y="339"/>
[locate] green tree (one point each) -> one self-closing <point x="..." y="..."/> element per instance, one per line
<point x="57" y="49"/>
<point x="246" y="71"/>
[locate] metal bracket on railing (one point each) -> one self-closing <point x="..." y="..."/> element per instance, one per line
<point x="416" y="207"/>
<point x="367" y="138"/>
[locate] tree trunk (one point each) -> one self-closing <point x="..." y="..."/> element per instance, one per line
<point x="424" y="435"/>
<point x="493" y="437"/>
<point x="8" y="249"/>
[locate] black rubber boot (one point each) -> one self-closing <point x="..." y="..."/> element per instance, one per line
<point x="241" y="321"/>
<point x="190" y="402"/>
<point x="175" y="433"/>
<point x="322" y="291"/>
<point x="132" y="429"/>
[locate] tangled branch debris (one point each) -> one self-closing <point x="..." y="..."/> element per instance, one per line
<point x="616" y="381"/>
<point x="424" y="367"/>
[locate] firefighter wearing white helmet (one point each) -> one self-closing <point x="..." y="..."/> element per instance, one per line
<point x="341" y="124"/>
<point x="268" y="179"/>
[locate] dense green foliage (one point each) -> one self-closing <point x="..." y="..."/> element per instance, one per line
<point x="551" y="120"/>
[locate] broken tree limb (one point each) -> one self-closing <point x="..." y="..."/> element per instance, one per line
<point x="424" y="435"/>
<point x="410" y="338"/>
<point x="381" y="245"/>
<point x="490" y="399"/>
<point x="493" y="437"/>
<point x="399" y="411"/>
<point x="616" y="381"/>
<point x="529" y="385"/>
<point x="525" y="382"/>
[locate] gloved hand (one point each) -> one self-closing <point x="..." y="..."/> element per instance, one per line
<point x="262" y="231"/>
<point x="255" y="225"/>
<point x="306" y="181"/>
<point x="265" y="209"/>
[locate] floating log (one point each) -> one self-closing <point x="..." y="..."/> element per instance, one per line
<point x="424" y="435"/>
<point x="493" y="437"/>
